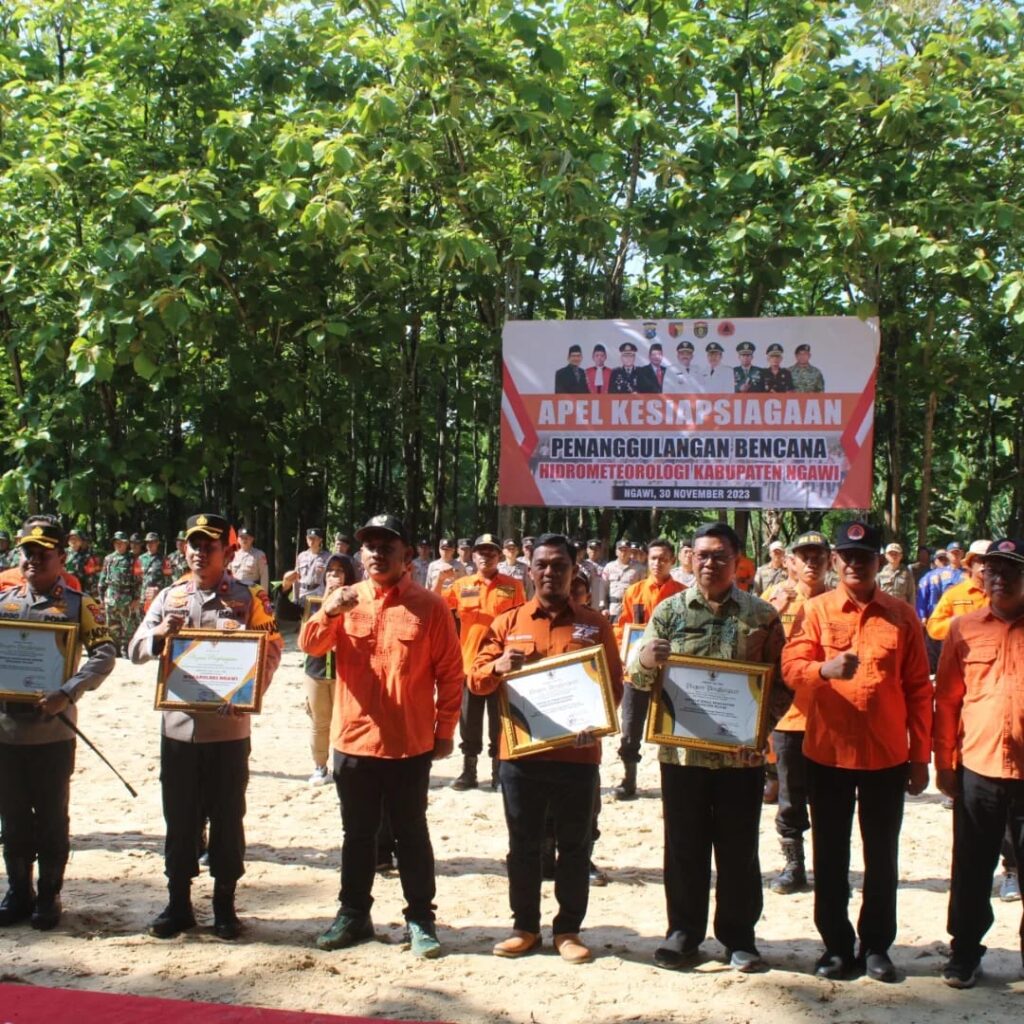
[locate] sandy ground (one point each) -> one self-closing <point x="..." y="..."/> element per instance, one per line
<point x="115" y="884"/>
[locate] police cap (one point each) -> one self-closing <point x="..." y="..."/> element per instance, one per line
<point x="207" y="524"/>
<point x="383" y="523"/>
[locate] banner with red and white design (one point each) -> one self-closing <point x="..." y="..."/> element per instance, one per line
<point x="745" y="413"/>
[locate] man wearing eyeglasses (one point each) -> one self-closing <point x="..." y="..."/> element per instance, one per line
<point x="712" y="801"/>
<point x="979" y="726"/>
<point x="857" y="663"/>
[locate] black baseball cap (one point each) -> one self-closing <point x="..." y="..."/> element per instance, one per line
<point x="857" y="536"/>
<point x="485" y="540"/>
<point x="315" y="531"/>
<point x="383" y="523"/>
<point x="245" y="532"/>
<point x="1009" y="548"/>
<point x="811" y="539"/>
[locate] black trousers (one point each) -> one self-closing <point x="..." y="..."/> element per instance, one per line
<point x="791" y="819"/>
<point x="35" y="789"/>
<point x="634" y="717"/>
<point x="705" y="810"/>
<point x="529" y="788"/>
<point x="981" y="815"/>
<point x="198" y="779"/>
<point x="367" y="786"/>
<point x="471" y="723"/>
<point x="878" y="796"/>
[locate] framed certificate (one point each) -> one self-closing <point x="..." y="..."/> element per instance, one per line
<point x="207" y="669"/>
<point x="545" y="704"/>
<point x="710" y="704"/>
<point x="631" y="634"/>
<point x="36" y="657"/>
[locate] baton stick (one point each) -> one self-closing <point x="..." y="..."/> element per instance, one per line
<point x="92" y="746"/>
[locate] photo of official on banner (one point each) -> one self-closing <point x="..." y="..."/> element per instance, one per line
<point x="742" y="413"/>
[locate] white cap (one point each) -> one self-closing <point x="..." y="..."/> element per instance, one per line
<point x="893" y="547"/>
<point x="776" y="545"/>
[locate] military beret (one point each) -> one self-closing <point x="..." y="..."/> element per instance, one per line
<point x="207" y="524"/>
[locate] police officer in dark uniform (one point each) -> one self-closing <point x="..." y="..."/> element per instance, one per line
<point x="204" y="756"/>
<point x="572" y="379"/>
<point x="777" y="379"/>
<point x="37" y="750"/>
<point x="625" y="378"/>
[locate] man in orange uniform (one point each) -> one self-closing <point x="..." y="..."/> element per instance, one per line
<point x="809" y="559"/>
<point x="399" y="687"/>
<point x="979" y="725"/>
<point x="638" y="603"/>
<point x="562" y="779"/>
<point x="966" y="596"/>
<point x="856" y="661"/>
<point x="476" y="600"/>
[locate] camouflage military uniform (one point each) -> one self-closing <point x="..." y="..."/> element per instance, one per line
<point x="155" y="575"/>
<point x="119" y="589"/>
<point x="85" y="567"/>
<point x="807" y="378"/>
<point x="745" y="629"/>
<point x="176" y="565"/>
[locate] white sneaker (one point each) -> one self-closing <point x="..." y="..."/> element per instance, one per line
<point x="321" y="776"/>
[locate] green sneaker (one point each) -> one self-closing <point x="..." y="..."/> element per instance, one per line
<point x="349" y="927"/>
<point x="421" y="938"/>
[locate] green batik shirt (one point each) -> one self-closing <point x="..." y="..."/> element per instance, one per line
<point x="744" y="629"/>
<point x="807" y="378"/>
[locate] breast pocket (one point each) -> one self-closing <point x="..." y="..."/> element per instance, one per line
<point x="979" y="660"/>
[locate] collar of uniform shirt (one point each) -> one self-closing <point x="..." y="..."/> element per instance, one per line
<point x="539" y="612"/>
<point x="694" y="595"/>
<point x="397" y="589"/>
<point x="851" y="603"/>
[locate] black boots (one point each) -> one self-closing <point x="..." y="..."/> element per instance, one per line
<point x="225" y="921"/>
<point x="626" y="789"/>
<point x="177" y="916"/>
<point x="467" y="780"/>
<point x="48" y="907"/>
<point x="17" y="905"/>
<point x="495" y="775"/>
<point x="793" y="877"/>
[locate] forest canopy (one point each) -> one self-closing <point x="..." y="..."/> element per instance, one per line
<point x="257" y="256"/>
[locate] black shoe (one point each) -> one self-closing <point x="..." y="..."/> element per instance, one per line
<point x="226" y="924"/>
<point x="834" y="967"/>
<point x="46" y="914"/>
<point x="626" y="789"/>
<point x="347" y="929"/>
<point x="961" y="973"/>
<point x="495" y="775"/>
<point x="172" y="920"/>
<point x="225" y="921"/>
<point x="673" y="954"/>
<point x="879" y="967"/>
<point x="16" y="907"/>
<point x="467" y="780"/>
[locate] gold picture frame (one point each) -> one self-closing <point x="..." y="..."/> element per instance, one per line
<point x="216" y="675"/>
<point x="710" y="704"/>
<point x="546" y="703"/>
<point x="631" y="634"/>
<point x="36" y="658"/>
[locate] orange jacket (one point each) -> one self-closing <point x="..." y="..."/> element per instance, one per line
<point x="530" y="629"/>
<point x="881" y="717"/>
<point x="961" y="598"/>
<point x="476" y="601"/>
<point x="398" y="670"/>
<point x="979" y="696"/>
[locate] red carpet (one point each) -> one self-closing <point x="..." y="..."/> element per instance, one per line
<point x="29" y="1004"/>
